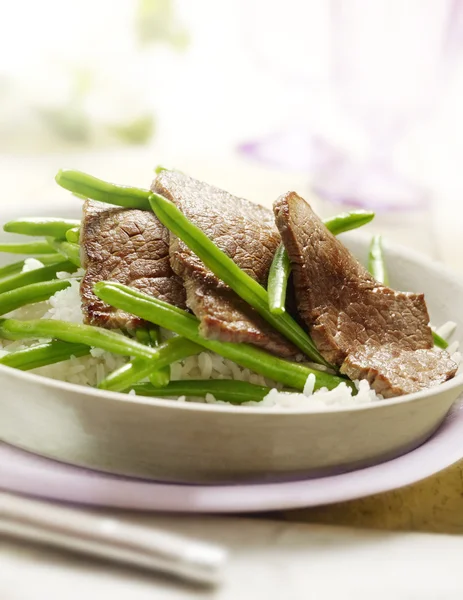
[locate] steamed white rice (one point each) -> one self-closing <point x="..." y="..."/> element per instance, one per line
<point x="90" y="370"/>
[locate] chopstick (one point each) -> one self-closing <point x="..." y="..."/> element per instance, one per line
<point x="111" y="539"/>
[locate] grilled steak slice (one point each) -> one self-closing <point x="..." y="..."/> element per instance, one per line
<point x="246" y="233"/>
<point x="395" y="371"/>
<point x="128" y="246"/>
<point x="365" y="328"/>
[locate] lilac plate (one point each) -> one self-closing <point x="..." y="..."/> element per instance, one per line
<point x="28" y="474"/>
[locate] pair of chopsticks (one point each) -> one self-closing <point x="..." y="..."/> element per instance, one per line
<point x="111" y="539"/>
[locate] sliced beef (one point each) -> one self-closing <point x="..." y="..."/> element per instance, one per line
<point x="130" y="247"/>
<point x="394" y="371"/>
<point x="361" y="326"/>
<point x="246" y="233"/>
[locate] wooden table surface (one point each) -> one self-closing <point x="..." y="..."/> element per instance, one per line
<point x="433" y="505"/>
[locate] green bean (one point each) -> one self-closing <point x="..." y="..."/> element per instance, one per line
<point x="228" y="390"/>
<point x="179" y="321"/>
<point x="160" y="377"/>
<point x="376" y="264"/>
<point x="280" y="269"/>
<point x="170" y="351"/>
<point x="35" y="276"/>
<point x="348" y="220"/>
<point x="142" y="336"/>
<point x="39" y="247"/>
<point x="42" y="355"/>
<point x="73" y="235"/>
<point x="151" y="337"/>
<point x="68" y="249"/>
<point x="439" y="341"/>
<point x="97" y="337"/>
<point x="90" y="187"/>
<point x="41" y="226"/>
<point x="48" y="259"/>
<point x="155" y="335"/>
<point x="123" y="377"/>
<point x="14" y="268"/>
<point x="278" y="276"/>
<point x="30" y="294"/>
<point x="228" y="271"/>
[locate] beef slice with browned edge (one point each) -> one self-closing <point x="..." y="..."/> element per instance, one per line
<point x="246" y="232"/>
<point x="128" y="246"/>
<point x="367" y="329"/>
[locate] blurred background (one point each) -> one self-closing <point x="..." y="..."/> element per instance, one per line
<point x="355" y="101"/>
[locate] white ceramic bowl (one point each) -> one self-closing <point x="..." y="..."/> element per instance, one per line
<point x="185" y="442"/>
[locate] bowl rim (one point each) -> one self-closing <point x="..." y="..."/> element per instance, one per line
<point x="166" y="403"/>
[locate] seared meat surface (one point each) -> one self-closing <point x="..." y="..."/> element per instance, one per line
<point x="395" y="371"/>
<point x="246" y="233"/>
<point x="128" y="246"/>
<point x="361" y="326"/>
